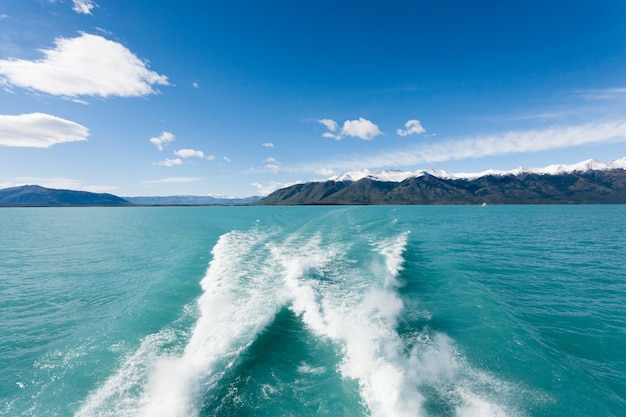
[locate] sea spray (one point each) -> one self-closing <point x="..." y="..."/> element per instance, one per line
<point x="238" y="302"/>
<point x="360" y="313"/>
<point x="362" y="322"/>
<point x="121" y="394"/>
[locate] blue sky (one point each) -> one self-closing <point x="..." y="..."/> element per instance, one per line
<point x="239" y="98"/>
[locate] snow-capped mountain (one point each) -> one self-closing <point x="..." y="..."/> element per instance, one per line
<point x="587" y="182"/>
<point x="391" y="175"/>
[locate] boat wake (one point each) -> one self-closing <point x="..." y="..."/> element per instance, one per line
<point x="345" y="293"/>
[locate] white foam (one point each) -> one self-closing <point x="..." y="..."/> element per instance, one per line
<point x="238" y="302"/>
<point x="305" y="368"/>
<point x="361" y="321"/>
<point x="392" y="250"/>
<point x="299" y="263"/>
<point x="354" y="304"/>
<point x="360" y="314"/>
<point x="475" y="406"/>
<point x="120" y="393"/>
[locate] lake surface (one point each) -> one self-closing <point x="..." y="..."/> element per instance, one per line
<point x="302" y="311"/>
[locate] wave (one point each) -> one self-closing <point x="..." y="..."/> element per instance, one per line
<point x="344" y="292"/>
<point x="359" y="309"/>
<point x="238" y="302"/>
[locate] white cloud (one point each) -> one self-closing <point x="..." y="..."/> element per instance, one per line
<point x="88" y="65"/>
<point x="361" y="128"/>
<point x="523" y="141"/>
<point x="329" y="124"/>
<point x="3" y="16"/>
<point x="227" y="159"/>
<point x="275" y="168"/>
<point x="268" y="144"/>
<point x="83" y="6"/>
<point x="331" y="136"/>
<point x="325" y="172"/>
<point x="9" y="185"/>
<point x="272" y="164"/>
<point x="332" y="126"/>
<point x="195" y="85"/>
<point x="162" y="140"/>
<point x="272" y="186"/>
<point x="268" y="164"/>
<point x="557" y="137"/>
<point x="99" y="188"/>
<point x="39" y="130"/>
<point x="192" y="153"/>
<point x="169" y="162"/>
<point x="413" y="127"/>
<point x="189" y="153"/>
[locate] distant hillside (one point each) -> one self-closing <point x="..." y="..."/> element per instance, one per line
<point x="590" y="186"/>
<point x="36" y="196"/>
<point x="190" y="200"/>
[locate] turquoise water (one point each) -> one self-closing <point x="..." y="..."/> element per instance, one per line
<point x="298" y="311"/>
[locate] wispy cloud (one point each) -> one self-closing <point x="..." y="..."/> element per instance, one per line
<point x="39" y="130"/>
<point x="265" y="189"/>
<point x="272" y="165"/>
<point x="63" y="183"/>
<point x="326" y="172"/>
<point x="83" y="6"/>
<point x="227" y="159"/>
<point x="88" y="65"/>
<point x="603" y="94"/>
<point x="104" y="31"/>
<point x="413" y="127"/>
<point x="361" y="128"/>
<point x="162" y="140"/>
<point x="169" y="162"/>
<point x="557" y="137"/>
<point x="173" y="180"/>
<point x="268" y="144"/>
<point x="542" y="116"/>
<point x="329" y="124"/>
<point x="60" y="183"/>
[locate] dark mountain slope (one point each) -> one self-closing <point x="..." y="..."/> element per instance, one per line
<point x="590" y="187"/>
<point x="36" y="196"/>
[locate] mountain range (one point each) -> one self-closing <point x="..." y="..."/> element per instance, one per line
<point x="36" y="196"/>
<point x="588" y="182"/>
<point x="191" y="200"/>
